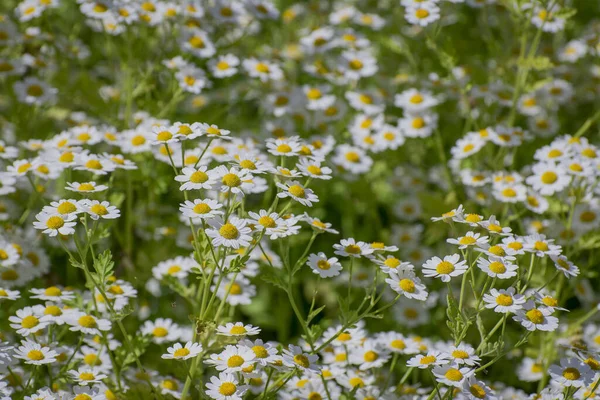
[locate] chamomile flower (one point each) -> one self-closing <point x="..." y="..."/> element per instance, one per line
<point x="162" y="330"/>
<point x="496" y="267"/>
<point x="352" y="248"/>
<point x="231" y="233"/>
<point x="298" y="192"/>
<point x="86" y="323"/>
<point x="237" y="329"/>
<point x="430" y="359"/>
<point x="473" y="389"/>
<point x="319" y="225"/>
<point x="565" y="266"/>
<point x="445" y="269"/>
<point x="199" y="209"/>
<point x="100" y="210"/>
<point x="422" y="14"/>
<point x="262" y="69"/>
<point x="314" y="169"/>
<point x="548" y="179"/>
<point x="64" y="207"/>
<point x="233" y="180"/>
<point x="323" y="266"/>
<point x="464" y="354"/>
<point x="370" y="355"/>
<point x="87" y="376"/>
<point x="54" y="224"/>
<point x="294" y="357"/>
<point x="541" y="246"/>
<point x="286" y="147"/>
<point x="7" y="294"/>
<point x="405" y="282"/>
<point x="53" y="293"/>
<point x="452" y="375"/>
<point x="571" y="373"/>
<point x="504" y="300"/>
<point x="468" y="240"/>
<point x="179" y="352"/>
<point x="232" y="359"/>
<point x="534" y="318"/>
<point x="85" y="187"/>
<point x="35" y="354"/>
<point x="225" y="387"/>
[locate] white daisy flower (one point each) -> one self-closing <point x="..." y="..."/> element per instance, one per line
<point x="162" y="330"/>
<point x="422" y="14"/>
<point x="469" y="239"/>
<point x="294" y="357"/>
<point x="85" y="187"/>
<point x="100" y="210"/>
<point x="496" y="267"/>
<point x="225" y="387"/>
<point x="237" y="329"/>
<point x="445" y="269"/>
<point x="430" y="359"/>
<point x="86" y="323"/>
<point x="504" y="300"/>
<point x="35" y="354"/>
<point x="352" y="248"/>
<point x="232" y="233"/>
<point x="296" y="191"/>
<point x="232" y="359"/>
<point x="323" y="266"/>
<point x="406" y="283"/>
<point x="87" y="376"/>
<point x="54" y="224"/>
<point x="548" y="179"/>
<point x="571" y="373"/>
<point x="179" y="352"/>
<point x="200" y="209"/>
<point x="534" y="318"/>
<point x="452" y="375"/>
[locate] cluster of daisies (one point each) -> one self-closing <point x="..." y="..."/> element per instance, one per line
<point x="145" y="255"/>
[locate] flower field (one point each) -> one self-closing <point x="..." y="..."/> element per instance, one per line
<point x="309" y="200"/>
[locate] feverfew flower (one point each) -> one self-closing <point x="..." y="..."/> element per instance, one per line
<point x="179" y="352"/>
<point x="445" y="269"/>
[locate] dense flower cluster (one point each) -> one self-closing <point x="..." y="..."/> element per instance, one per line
<point x="247" y="199"/>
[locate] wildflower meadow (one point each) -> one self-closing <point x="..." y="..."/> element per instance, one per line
<point x="299" y="199"/>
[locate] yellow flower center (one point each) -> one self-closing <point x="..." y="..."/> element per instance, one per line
<point x="587" y="216"/>
<point x="55" y="311"/>
<point x="297" y="191"/>
<point x="549" y="177"/>
<point x="55" y="222"/>
<point x="541" y="246"/>
<point x="235" y="361"/>
<point x="87" y="376"/>
<point x="267" y="222"/>
<point x="504" y="300"/>
<point x="237" y="330"/>
<point x="497" y="251"/>
<point x="87" y="321"/>
<point x="477" y="391"/>
<point x="314" y="94"/>
<point x="550" y="301"/>
<point x="99" y="209"/>
<point x="231" y="180"/>
<point x="428" y="360"/>
<point x="35" y="355"/>
<point x="85" y="187"/>
<point x="201" y="208"/>
<point x="418" y="123"/>
<point x="407" y="285"/>
<point x="497" y="267"/>
<point x="262" y="68"/>
<point x="398" y="344"/>
<point x="229" y="231"/>
<point x="301" y="360"/>
<point x="460" y="354"/>
<point x="138" y="140"/>
<point x="356" y="381"/>
<point x="444" y="268"/>
<point x="52" y="291"/>
<point x="235" y="289"/>
<point x="535" y="316"/>
<point x="181" y="352"/>
<point x="260" y="352"/>
<point x="355" y="64"/>
<point x="23" y="168"/>
<point x="392" y="262"/>
<point x="227" y="389"/>
<point x="453" y="375"/>
<point x="467" y="240"/>
<point x="35" y="90"/>
<point x="370" y="356"/>
<point x="571" y="373"/>
<point x="66" y="208"/>
<point x="352" y="157"/>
